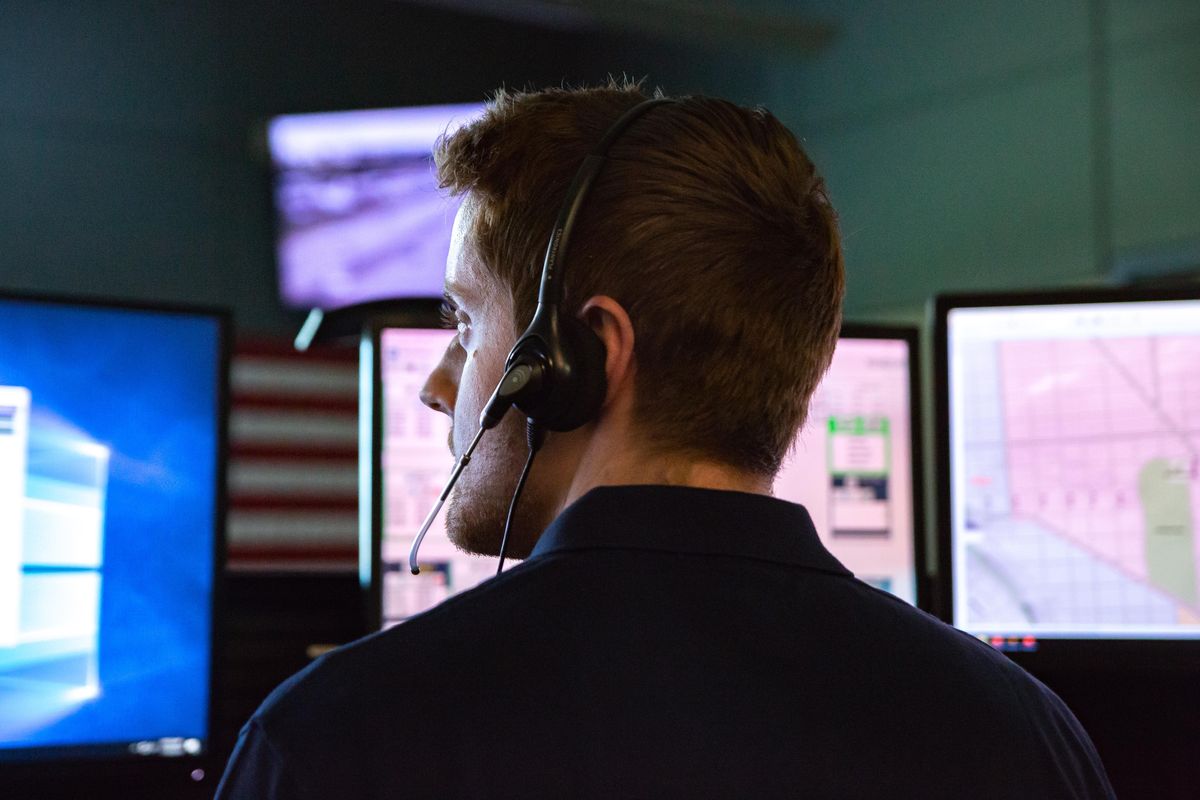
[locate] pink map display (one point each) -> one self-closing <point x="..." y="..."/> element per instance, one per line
<point x="1077" y="479"/>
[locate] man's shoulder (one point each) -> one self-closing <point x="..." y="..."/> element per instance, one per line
<point x="378" y="673"/>
<point x="1030" y="726"/>
<point x="947" y="657"/>
<point x="328" y="729"/>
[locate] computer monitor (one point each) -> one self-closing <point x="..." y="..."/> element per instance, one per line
<point x="112" y="422"/>
<point x="359" y="213"/>
<point x="852" y="467"/>
<point x="1070" y="464"/>
<point x="406" y="461"/>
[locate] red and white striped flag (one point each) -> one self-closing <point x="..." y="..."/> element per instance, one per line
<point x="293" y="458"/>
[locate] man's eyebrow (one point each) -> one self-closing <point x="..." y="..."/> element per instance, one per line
<point x="454" y="293"/>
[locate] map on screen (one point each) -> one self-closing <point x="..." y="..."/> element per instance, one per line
<point x="851" y="468"/>
<point x="1075" y="453"/>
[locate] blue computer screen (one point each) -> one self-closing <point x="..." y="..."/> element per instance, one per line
<point x="109" y="447"/>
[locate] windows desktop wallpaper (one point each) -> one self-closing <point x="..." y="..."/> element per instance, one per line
<point x="109" y="422"/>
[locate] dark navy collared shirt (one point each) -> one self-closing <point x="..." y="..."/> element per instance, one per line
<point x="667" y="642"/>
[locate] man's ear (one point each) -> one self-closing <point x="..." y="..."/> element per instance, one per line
<point x="608" y="319"/>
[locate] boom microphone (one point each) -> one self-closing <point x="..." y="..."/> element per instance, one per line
<point x="521" y="378"/>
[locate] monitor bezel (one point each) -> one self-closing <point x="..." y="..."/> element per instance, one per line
<point x="95" y="765"/>
<point x="425" y="314"/>
<point x="1108" y="655"/>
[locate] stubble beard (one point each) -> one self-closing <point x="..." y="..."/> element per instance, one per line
<point x="478" y="507"/>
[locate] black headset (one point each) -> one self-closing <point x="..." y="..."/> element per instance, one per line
<point x="555" y="372"/>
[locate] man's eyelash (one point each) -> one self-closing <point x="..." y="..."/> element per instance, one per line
<point x="449" y="315"/>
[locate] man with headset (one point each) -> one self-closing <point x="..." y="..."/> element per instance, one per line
<point x="673" y="630"/>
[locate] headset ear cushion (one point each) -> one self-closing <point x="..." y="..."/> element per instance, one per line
<point x="586" y="386"/>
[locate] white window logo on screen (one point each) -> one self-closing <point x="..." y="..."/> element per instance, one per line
<point x="53" y="484"/>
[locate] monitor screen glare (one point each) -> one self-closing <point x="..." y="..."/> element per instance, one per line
<point x="360" y="215"/>
<point x="1075" y="461"/>
<point x="851" y="468"/>
<point x="109" y="426"/>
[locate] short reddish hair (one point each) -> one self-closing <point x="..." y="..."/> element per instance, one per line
<point x="709" y="224"/>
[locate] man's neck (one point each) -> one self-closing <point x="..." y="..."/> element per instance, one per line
<point x="633" y="467"/>
<point x="614" y="451"/>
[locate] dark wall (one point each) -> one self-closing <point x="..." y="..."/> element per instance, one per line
<point x="979" y="146"/>
<point x="127" y="147"/>
<point x="129" y="165"/>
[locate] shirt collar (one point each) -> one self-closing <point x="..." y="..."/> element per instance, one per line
<point x="683" y="519"/>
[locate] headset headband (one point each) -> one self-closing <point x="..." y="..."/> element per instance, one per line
<point x="550" y="291"/>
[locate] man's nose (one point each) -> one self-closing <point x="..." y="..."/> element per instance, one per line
<point x="441" y="387"/>
<point x="432" y="397"/>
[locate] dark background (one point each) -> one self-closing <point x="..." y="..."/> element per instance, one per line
<point x="132" y="161"/>
<point x="968" y="146"/>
